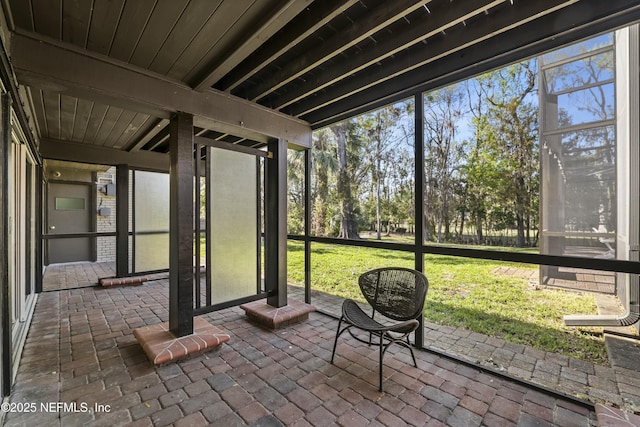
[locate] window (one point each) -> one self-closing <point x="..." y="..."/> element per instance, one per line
<point x="70" y="204"/>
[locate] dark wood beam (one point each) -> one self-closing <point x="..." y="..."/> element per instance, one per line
<point x="181" y="226"/>
<point x="229" y="146"/>
<point x="280" y="15"/>
<point x="497" y="22"/>
<point x="5" y="294"/>
<point x="86" y="153"/>
<point x="442" y="16"/>
<point x="63" y="68"/>
<point x="318" y="14"/>
<point x="122" y="220"/>
<point x="39" y="185"/>
<point x="564" y="26"/>
<point x="157" y="125"/>
<point x="419" y="167"/>
<point x="276" y="225"/>
<point x="358" y="31"/>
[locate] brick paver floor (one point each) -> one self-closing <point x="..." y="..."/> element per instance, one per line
<point x="81" y="351"/>
<point x="76" y="274"/>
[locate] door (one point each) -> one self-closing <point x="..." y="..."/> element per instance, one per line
<point x="69" y="212"/>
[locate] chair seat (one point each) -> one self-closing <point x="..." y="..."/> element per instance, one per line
<point x="353" y="314"/>
<point x="396" y="295"/>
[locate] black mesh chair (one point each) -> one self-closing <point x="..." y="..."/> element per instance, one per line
<point x="397" y="296"/>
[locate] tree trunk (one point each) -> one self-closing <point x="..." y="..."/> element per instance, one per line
<point x="462" y="217"/>
<point x="479" y="229"/>
<point x="378" y="203"/>
<point x="348" y="223"/>
<point x="322" y="178"/>
<point x="520" y="203"/>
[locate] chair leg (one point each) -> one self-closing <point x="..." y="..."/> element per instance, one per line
<point x="415" y="363"/>
<point x="335" y="342"/>
<point x="382" y="348"/>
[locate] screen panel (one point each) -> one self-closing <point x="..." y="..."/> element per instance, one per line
<point x="151" y="221"/>
<point x="234" y="225"/>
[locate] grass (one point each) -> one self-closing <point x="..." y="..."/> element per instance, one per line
<point x="465" y="293"/>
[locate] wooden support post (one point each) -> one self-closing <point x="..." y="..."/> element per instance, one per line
<point x="419" y="202"/>
<point x="122" y="220"/>
<point x="276" y="224"/>
<point x="181" y="225"/>
<point x="39" y="190"/>
<point x="307" y="226"/>
<point x="5" y="306"/>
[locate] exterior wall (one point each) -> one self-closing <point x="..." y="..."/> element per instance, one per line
<point x="19" y="192"/>
<point x="19" y="219"/>
<point x="105" y="205"/>
<point x="106" y="217"/>
<point x="628" y="131"/>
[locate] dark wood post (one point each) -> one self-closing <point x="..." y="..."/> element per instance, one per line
<point x="122" y="220"/>
<point x="276" y="224"/>
<point x="39" y="212"/>
<point x="419" y="202"/>
<point x="5" y="306"/>
<point x="181" y="225"/>
<point x="307" y="226"/>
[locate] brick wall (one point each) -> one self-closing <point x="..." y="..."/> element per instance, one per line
<point x="106" y="246"/>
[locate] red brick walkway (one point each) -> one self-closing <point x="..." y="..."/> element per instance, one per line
<point x="81" y="350"/>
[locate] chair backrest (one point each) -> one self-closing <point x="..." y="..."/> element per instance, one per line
<point x="395" y="292"/>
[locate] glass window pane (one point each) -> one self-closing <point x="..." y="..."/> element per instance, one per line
<point x="234" y="225"/>
<point x="578" y="48"/>
<point x="151" y="221"/>
<point x="152" y="252"/>
<point x="577" y="74"/>
<point x="295" y="192"/>
<point x="585" y="106"/>
<point x="362" y="177"/>
<point x="70" y="204"/>
<point x="488" y="297"/>
<point x="151" y="201"/>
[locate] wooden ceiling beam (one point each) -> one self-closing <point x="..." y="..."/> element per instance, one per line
<point x="565" y="26"/>
<point x="442" y="17"/>
<point x="387" y="13"/>
<point x="56" y="149"/>
<point x="271" y="24"/>
<point x="445" y="46"/>
<point x="306" y="23"/>
<point x="156" y="126"/>
<point x="63" y="68"/>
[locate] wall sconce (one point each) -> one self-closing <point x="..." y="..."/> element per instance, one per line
<point x="108" y="189"/>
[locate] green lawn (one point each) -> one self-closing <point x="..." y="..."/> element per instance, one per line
<point x="464" y="292"/>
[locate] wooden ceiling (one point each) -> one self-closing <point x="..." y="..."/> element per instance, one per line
<point x="110" y="73"/>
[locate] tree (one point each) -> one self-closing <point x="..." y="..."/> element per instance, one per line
<point x="443" y="152"/>
<point x="514" y="116"/>
<point x="482" y="174"/>
<point x="348" y="220"/>
<point x="295" y="191"/>
<point x="324" y="164"/>
<point x="379" y="130"/>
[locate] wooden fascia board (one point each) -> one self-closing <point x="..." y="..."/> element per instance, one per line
<point x="86" y="153"/>
<point x="63" y="68"/>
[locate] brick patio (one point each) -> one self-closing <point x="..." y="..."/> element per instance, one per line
<point x="81" y="349"/>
